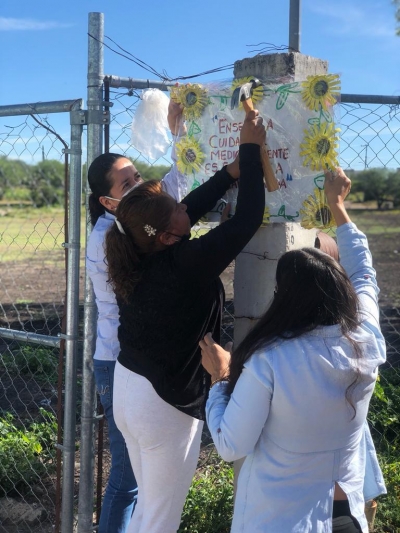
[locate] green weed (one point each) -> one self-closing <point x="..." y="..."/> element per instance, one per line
<point x="26" y="453"/>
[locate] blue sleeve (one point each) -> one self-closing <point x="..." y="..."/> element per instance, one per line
<point x="356" y="259"/>
<point x="236" y="422"/>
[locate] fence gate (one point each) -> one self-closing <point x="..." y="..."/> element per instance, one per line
<point x="40" y="218"/>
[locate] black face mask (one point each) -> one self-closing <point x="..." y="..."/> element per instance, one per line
<point x="185" y="237"/>
<point x="182" y="238"/>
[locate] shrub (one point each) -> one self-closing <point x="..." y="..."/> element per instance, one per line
<point x="385" y="426"/>
<point x="209" y="504"/>
<point x="26" y="454"/>
<point x="38" y="361"/>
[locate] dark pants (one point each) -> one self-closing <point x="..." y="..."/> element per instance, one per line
<point x="342" y="520"/>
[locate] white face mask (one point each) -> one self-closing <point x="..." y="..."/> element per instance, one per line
<point x="125" y="193"/>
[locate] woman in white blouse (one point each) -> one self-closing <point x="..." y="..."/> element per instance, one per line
<point x="294" y="397"/>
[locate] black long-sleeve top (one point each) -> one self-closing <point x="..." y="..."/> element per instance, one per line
<point x="179" y="297"/>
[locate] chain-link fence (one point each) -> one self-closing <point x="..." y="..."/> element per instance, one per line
<point x="370" y="139"/>
<point x="34" y="194"/>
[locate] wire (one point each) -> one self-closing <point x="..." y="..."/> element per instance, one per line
<point x="268" y="48"/>
<point x="164" y="76"/>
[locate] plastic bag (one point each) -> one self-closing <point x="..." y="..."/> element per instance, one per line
<point x="150" y="125"/>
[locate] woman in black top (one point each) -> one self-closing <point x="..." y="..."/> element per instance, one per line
<point x="170" y="295"/>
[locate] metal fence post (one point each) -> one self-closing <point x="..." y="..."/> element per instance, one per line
<point x="71" y="335"/>
<point x="94" y="148"/>
<point x="294" y="25"/>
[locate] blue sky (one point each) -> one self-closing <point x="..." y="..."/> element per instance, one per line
<point x="44" y="43"/>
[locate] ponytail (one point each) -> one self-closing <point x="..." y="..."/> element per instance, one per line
<point x="100" y="183"/>
<point x="96" y="209"/>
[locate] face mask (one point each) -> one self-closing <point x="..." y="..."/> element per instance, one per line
<point x="125" y="193"/>
<point x="182" y="238"/>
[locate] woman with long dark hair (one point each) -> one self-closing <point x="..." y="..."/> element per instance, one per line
<point x="169" y="295"/>
<point x="293" y="399"/>
<point x="110" y="177"/>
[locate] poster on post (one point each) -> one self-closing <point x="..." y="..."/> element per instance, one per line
<point x="302" y="139"/>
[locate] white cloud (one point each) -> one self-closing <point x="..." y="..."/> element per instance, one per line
<point x="12" y="24"/>
<point x="345" y="18"/>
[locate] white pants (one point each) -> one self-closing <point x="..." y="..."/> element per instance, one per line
<point x="163" y="445"/>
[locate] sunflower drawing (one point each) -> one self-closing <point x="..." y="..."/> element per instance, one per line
<point x="315" y="212"/>
<point x="257" y="93"/>
<point x="319" y="148"/>
<point x="266" y="217"/>
<point x="193" y="97"/>
<point x="189" y="155"/>
<point x="320" y="91"/>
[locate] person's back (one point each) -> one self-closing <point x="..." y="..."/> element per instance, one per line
<point x="311" y="437"/>
<point x="296" y="398"/>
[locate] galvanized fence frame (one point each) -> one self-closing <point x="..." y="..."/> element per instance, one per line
<point x="69" y="338"/>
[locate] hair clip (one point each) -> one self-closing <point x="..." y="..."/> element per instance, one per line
<point x="149" y="230"/>
<point x="119" y="226"/>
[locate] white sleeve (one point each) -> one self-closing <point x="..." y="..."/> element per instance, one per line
<point x="236" y="422"/>
<point x="174" y="182"/>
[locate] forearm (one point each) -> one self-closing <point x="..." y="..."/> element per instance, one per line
<point x="236" y="421"/>
<point x="339" y="214"/>
<point x="201" y="200"/>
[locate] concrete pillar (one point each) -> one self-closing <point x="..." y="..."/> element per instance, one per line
<point x="254" y="279"/>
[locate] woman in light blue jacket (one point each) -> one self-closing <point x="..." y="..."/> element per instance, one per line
<point x="295" y="397"/>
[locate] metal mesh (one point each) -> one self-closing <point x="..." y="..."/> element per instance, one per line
<point x="32" y="289"/>
<point x="369" y="138"/>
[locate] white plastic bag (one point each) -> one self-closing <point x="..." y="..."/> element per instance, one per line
<point x="150" y="125"/>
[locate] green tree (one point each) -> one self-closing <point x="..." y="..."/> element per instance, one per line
<point x="151" y="172"/>
<point x="393" y="186"/>
<point x="373" y="183"/>
<point x="13" y="174"/>
<point x="46" y="183"/>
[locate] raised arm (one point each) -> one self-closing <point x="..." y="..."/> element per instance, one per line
<point x="174" y="182"/>
<point x="355" y="256"/>
<point x="207" y="256"/>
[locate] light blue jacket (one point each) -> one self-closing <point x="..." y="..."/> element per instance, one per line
<point x="288" y="415"/>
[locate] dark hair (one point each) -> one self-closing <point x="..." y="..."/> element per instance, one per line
<point x="312" y="290"/>
<point x="100" y="183"/>
<point x="146" y="205"/>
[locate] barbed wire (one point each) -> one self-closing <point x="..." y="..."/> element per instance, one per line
<point x="164" y="76"/>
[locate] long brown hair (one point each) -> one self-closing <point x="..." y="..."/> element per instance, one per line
<point x="100" y="182"/>
<point x="142" y="215"/>
<point x="312" y="290"/>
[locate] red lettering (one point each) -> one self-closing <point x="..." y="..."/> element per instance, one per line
<point x="222" y="125"/>
<point x="211" y="168"/>
<point x="212" y="140"/>
<point x="282" y="183"/>
<point x="278" y="153"/>
<point x="279" y="169"/>
<point x="270" y="125"/>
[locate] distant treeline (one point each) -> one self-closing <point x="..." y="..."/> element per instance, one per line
<point x="42" y="184"/>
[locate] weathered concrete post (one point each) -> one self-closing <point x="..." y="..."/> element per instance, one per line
<point x="254" y="279"/>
